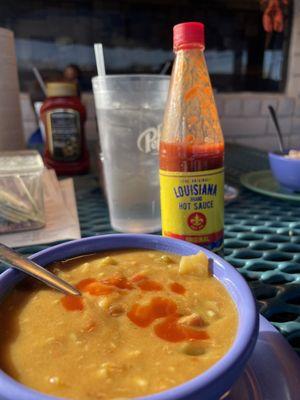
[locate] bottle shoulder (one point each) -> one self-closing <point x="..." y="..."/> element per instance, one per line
<point x="191" y="110"/>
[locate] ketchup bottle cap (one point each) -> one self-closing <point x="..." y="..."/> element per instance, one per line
<point x="187" y="35"/>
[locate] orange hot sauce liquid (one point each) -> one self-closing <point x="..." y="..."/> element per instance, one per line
<point x="190" y="157"/>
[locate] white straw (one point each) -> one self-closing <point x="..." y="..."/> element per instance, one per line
<point x="99" y="59"/>
<point x="40" y="80"/>
<point x="165" y="67"/>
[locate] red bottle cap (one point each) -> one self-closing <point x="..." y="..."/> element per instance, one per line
<point x="187" y="35"/>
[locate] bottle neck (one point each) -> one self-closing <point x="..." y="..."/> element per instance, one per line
<point x="191" y="116"/>
<point x="191" y="57"/>
<point x="189" y="46"/>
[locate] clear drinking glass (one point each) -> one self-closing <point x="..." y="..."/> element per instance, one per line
<point x="129" y="113"/>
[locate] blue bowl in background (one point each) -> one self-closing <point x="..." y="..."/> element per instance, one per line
<point x="286" y="171"/>
<point x="209" y="385"/>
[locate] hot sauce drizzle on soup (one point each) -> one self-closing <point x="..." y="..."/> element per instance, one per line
<point x="72" y="303"/>
<point x="149" y="285"/>
<point x="119" y="282"/>
<point x="109" y="285"/>
<point x="177" y="288"/>
<point x="171" y="330"/>
<point x="84" y="283"/>
<point x="144" y="315"/>
<point x="141" y="315"/>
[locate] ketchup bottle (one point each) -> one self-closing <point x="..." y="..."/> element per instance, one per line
<point x="63" y="116"/>
<point x="192" y="148"/>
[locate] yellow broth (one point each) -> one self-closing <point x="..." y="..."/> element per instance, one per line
<point x="112" y="346"/>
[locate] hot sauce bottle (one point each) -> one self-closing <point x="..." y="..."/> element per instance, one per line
<point x="192" y="148"/>
<point x="64" y="115"/>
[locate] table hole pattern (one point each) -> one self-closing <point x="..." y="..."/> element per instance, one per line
<point x="263" y="246"/>
<point x="290" y="268"/>
<point x="270" y="258"/>
<point x="294" y="341"/>
<point x="294" y="300"/>
<point x="268" y="293"/>
<point x="278" y="256"/>
<point x="284" y="317"/>
<point x="260" y="266"/>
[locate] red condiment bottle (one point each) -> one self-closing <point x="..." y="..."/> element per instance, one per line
<point x="192" y="148"/>
<point x="63" y="116"/>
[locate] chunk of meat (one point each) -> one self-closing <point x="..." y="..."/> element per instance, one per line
<point x="115" y="310"/>
<point x="194" y="320"/>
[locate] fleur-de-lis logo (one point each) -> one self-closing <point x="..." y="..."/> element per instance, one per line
<point x="196" y="221"/>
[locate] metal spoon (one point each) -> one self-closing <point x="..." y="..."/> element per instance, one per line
<point x="278" y="130"/>
<point x="13" y="259"/>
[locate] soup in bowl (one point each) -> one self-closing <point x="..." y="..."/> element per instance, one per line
<point x="157" y="319"/>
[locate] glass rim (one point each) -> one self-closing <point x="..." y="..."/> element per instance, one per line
<point x="130" y="76"/>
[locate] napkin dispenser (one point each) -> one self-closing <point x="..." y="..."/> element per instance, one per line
<point x="21" y="191"/>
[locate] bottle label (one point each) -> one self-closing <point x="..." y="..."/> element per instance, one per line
<point x="192" y="206"/>
<point x="64" y="134"/>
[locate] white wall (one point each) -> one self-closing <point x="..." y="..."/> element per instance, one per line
<point x="293" y="84"/>
<point x="245" y="119"/>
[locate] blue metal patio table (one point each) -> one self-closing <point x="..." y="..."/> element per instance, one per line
<point x="262" y="239"/>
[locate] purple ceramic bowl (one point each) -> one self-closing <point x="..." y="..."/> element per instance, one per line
<point x="211" y="384"/>
<point x="286" y="171"/>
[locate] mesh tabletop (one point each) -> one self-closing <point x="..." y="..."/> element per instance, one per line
<point x="262" y="239"/>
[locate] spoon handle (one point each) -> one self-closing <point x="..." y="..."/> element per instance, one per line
<point x="13" y="259"/>
<point x="278" y="130"/>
